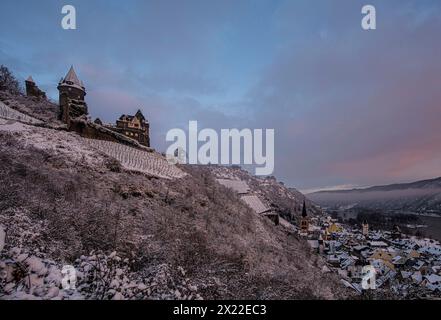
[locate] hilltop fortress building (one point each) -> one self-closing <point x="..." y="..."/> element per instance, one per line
<point x="73" y="106"/>
<point x="71" y="98"/>
<point x="32" y="90"/>
<point x="135" y="127"/>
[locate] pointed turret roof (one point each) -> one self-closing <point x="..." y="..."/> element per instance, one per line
<point x="139" y="115"/>
<point x="71" y="80"/>
<point x="29" y="79"/>
<point x="72" y="77"/>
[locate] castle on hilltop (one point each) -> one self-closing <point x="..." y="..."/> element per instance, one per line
<point x="71" y="97"/>
<point x="73" y="106"/>
<point x="32" y="90"/>
<point x="135" y="127"/>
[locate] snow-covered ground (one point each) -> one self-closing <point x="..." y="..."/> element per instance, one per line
<point x="89" y="151"/>
<point x="137" y="160"/>
<point x="9" y="113"/>
<point x="61" y="143"/>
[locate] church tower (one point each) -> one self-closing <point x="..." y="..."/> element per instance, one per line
<point x="365" y="228"/>
<point x="71" y="98"/>
<point x="304" y="223"/>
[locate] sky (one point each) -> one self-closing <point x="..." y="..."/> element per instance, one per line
<point x="349" y="107"/>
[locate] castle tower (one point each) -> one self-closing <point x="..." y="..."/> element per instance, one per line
<point x="304" y="223"/>
<point x="32" y="90"/>
<point x="365" y="228"/>
<point x="30" y="84"/>
<point x="71" y="98"/>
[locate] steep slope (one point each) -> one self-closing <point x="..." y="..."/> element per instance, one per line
<point x="64" y="201"/>
<point x="287" y="202"/>
<point x="420" y="197"/>
<point x="40" y="109"/>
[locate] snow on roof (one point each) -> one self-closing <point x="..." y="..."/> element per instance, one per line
<point x="347" y="262"/>
<point x="72" y="76"/>
<point x="333" y="257"/>
<point x="433" y="278"/>
<point x="431" y="250"/>
<point x="417" y="277"/>
<point x="71" y="79"/>
<point x="387" y="276"/>
<point x="254" y="203"/>
<point x="239" y="186"/>
<point x="354" y="286"/>
<point x="418" y="265"/>
<point x="434" y="287"/>
<point x="426" y="242"/>
<point x="377" y="243"/>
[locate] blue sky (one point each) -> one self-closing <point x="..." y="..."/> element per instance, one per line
<point x="349" y="107"/>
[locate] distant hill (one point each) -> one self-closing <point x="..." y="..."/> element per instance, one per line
<point x="419" y="197"/>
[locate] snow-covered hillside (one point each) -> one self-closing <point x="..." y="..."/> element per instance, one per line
<point x="68" y="200"/>
<point x="9" y="113"/>
<point x="137" y="160"/>
<point x="78" y="149"/>
<point x="287" y="202"/>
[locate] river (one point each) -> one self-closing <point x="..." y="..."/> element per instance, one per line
<point x="433" y="229"/>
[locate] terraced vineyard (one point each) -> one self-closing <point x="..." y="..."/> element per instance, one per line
<point x="137" y="160"/>
<point x="9" y="113"/>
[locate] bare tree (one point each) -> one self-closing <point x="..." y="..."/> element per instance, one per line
<point x="8" y="82"/>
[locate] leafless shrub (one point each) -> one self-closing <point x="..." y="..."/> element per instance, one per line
<point x="8" y="82"/>
<point x="113" y="165"/>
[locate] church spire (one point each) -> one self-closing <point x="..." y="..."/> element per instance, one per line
<point x="304" y="223"/>
<point x="304" y="210"/>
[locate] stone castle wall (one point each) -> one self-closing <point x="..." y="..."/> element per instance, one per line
<point x="32" y="90"/>
<point x="92" y="130"/>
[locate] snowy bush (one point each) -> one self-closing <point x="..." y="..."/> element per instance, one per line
<point x="27" y="276"/>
